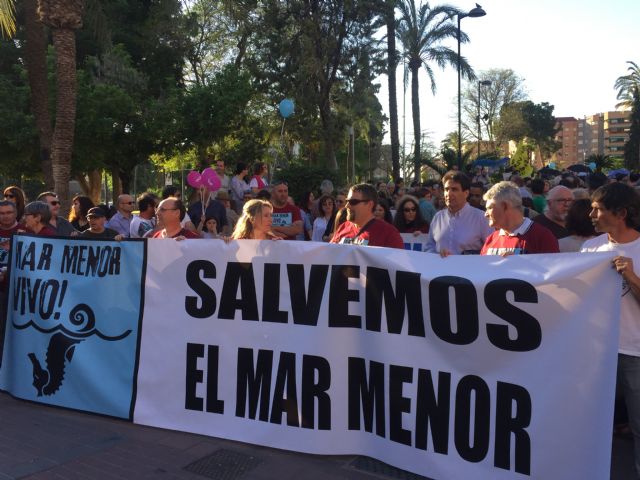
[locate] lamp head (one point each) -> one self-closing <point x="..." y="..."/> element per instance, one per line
<point x="476" y="12"/>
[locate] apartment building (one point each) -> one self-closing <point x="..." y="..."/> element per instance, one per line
<point x="601" y="133"/>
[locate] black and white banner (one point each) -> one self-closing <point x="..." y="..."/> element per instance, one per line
<point x="462" y="367"/>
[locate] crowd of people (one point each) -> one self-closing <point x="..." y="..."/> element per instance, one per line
<point x="460" y="214"/>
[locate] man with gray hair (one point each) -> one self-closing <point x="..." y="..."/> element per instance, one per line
<point x="559" y="200"/>
<point x="515" y="234"/>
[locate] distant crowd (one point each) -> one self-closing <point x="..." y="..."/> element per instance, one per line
<point x="460" y="214"/>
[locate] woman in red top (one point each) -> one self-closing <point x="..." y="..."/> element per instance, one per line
<point x="408" y="217"/>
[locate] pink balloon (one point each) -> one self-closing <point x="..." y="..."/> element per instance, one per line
<point x="194" y="179"/>
<point x="210" y="179"/>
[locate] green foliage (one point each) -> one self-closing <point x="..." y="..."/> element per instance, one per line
<point x="632" y="147"/>
<point x="18" y="139"/>
<point x="628" y="86"/>
<point x="531" y="121"/>
<point x="602" y="162"/>
<point x="301" y="178"/>
<point x="212" y="111"/>
<point x="521" y="160"/>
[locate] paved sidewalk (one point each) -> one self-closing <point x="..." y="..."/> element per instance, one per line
<point x="39" y="442"/>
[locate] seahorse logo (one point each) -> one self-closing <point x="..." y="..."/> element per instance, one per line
<point x="61" y="348"/>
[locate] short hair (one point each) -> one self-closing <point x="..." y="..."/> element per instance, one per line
<point x="179" y="205"/>
<point x="537" y="186"/>
<point x="39" y="208"/>
<point x="476" y="185"/>
<point x="368" y="192"/>
<point x="7" y="203"/>
<point x="508" y="192"/>
<point x="326" y="187"/>
<point x="596" y="180"/>
<point x="145" y="201"/>
<point x="618" y="196"/>
<point x="169" y="191"/>
<point x="240" y="166"/>
<point x="458" y="177"/>
<point x="578" y="220"/>
<point x="44" y="195"/>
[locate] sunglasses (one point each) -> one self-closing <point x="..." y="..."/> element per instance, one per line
<point x="407" y="210"/>
<point x="355" y="201"/>
<point x="54" y="203"/>
<point x="9" y="195"/>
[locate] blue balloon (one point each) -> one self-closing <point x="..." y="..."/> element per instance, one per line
<point x="552" y="164"/>
<point x="592" y="165"/>
<point x="287" y="108"/>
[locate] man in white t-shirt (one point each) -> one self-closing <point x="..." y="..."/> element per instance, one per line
<point x="145" y="221"/>
<point x="615" y="211"/>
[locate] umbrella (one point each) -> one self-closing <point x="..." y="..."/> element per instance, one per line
<point x="549" y="172"/>
<point x="579" y="167"/>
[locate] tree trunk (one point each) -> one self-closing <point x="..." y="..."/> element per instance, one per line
<point x="415" y="110"/>
<point x="116" y="188"/>
<point x="91" y="185"/>
<point x="36" y="60"/>
<point x="64" y="43"/>
<point x="327" y="133"/>
<point x="392" y="63"/>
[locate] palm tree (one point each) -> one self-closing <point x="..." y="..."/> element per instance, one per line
<point x="392" y="63"/>
<point x="421" y="32"/>
<point x="63" y="17"/>
<point x="601" y="161"/>
<point x="7" y="18"/>
<point x="627" y="85"/>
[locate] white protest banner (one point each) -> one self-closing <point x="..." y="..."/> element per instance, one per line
<point x="417" y="243"/>
<point x="462" y="367"/>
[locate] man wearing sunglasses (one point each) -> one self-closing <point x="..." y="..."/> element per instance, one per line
<point x="361" y="227"/>
<point x="121" y="221"/>
<point x="60" y="224"/>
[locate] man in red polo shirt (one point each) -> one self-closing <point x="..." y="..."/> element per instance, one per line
<point x="515" y="234"/>
<point x="361" y="227"/>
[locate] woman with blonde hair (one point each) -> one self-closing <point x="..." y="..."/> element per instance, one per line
<point x="255" y="222"/>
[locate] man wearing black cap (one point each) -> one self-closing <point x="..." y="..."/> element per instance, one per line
<point x="97" y="219"/>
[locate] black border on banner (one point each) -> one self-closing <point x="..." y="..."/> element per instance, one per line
<point x="143" y="278"/>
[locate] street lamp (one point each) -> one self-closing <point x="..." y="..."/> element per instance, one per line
<point x="484" y="83"/>
<point x="473" y="13"/>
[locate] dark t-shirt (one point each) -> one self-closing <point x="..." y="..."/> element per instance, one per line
<point x="108" y="234"/>
<point x="376" y="233"/>
<point x="558" y="230"/>
<point x="215" y="209"/>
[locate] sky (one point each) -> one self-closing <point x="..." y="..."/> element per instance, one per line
<point x="568" y="52"/>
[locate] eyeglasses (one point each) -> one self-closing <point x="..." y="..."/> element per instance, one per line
<point x="54" y="203"/>
<point x="356" y="201"/>
<point x="407" y="210"/>
<point x="9" y="195"/>
<point x="128" y="203"/>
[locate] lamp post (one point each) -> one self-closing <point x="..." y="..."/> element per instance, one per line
<point x="484" y="83"/>
<point x="473" y="13"/>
